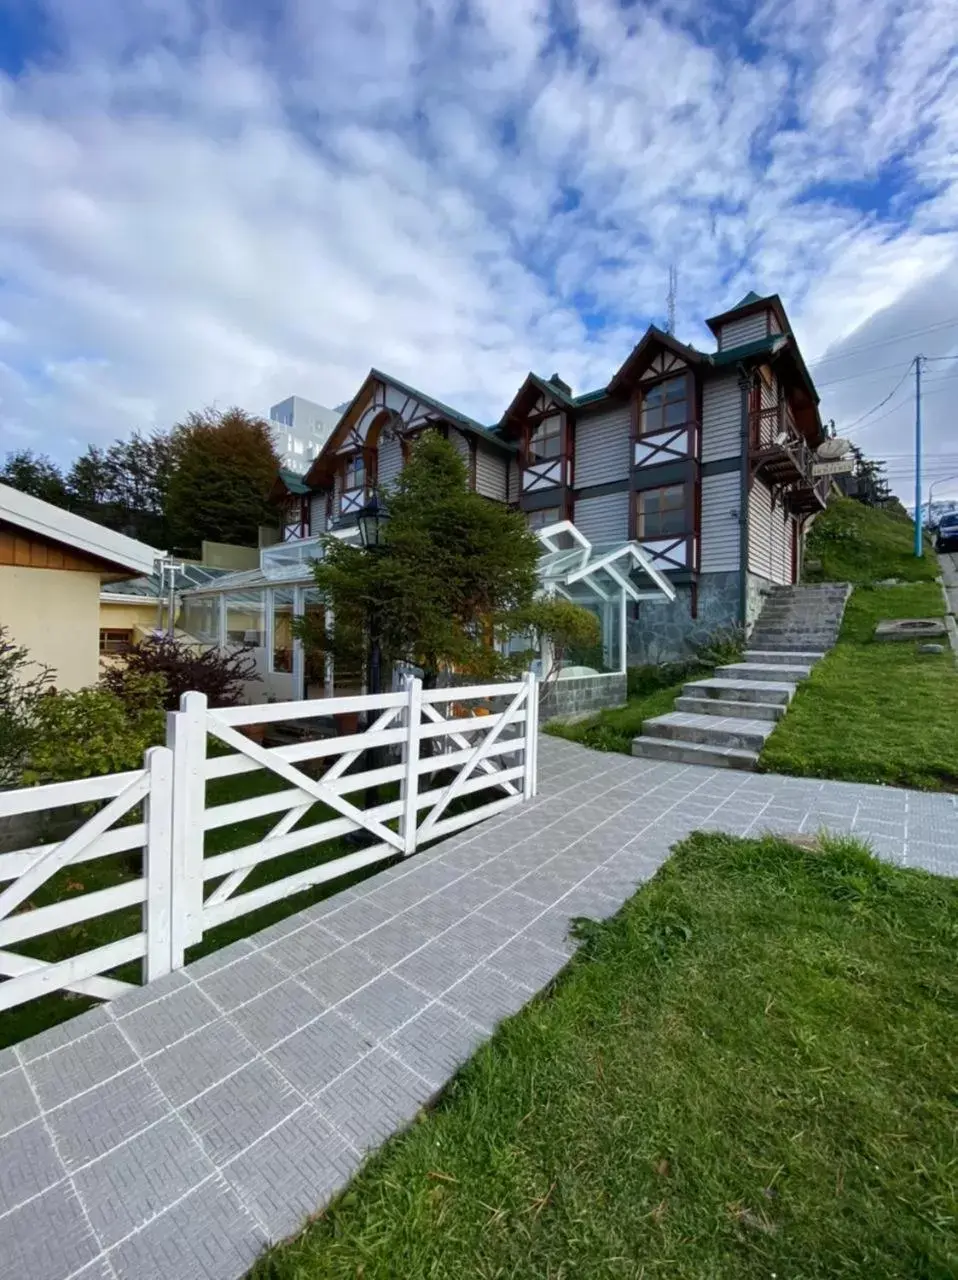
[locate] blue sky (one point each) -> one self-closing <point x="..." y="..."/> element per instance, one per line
<point x="208" y="201"/>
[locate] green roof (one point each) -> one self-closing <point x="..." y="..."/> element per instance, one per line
<point x="587" y="397"/>
<point x="747" y="301"/>
<point x="760" y="347"/>
<point x="293" y="482"/>
<point x="454" y="415"/>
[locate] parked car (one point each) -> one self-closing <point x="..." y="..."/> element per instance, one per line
<point x="947" y="537"/>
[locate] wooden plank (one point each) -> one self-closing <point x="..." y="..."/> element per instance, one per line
<point x="63" y="853"/>
<point x="447" y="826"/>
<point x="54" y="795"/>
<point x="317" y="749"/>
<point x="116" y="841"/>
<point x="42" y="979"/>
<point x="472" y="691"/>
<point x="71" y="911"/>
<point x="469" y="724"/>
<point x="158" y="866"/>
<point x="16" y="966"/>
<point x="186" y="734"/>
<point x="307" y="879"/>
<point x="272" y="711"/>
<point x="409" y="790"/>
<point x="291" y="774"/>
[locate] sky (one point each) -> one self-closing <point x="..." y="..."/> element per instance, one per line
<point x="218" y="202"/>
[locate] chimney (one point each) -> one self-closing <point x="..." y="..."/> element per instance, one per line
<point x="563" y="386"/>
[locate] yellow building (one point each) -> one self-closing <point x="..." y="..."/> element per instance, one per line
<point x="53" y="565"/>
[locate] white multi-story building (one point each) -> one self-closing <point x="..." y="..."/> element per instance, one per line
<point x="300" y="429"/>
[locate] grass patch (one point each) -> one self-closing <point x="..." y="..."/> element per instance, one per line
<point x="614" y="728"/>
<point x="748" y="1073"/>
<point x="855" y="543"/>
<point x="875" y="712"/>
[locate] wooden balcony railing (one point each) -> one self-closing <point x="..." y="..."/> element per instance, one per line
<point x="776" y="447"/>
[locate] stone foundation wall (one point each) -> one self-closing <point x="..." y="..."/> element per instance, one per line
<point x="582" y="695"/>
<point x="756" y="589"/>
<point x="667" y="632"/>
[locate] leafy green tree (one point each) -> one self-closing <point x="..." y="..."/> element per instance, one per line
<point x="221" y="468"/>
<point x="36" y="474"/>
<point x="124" y="486"/>
<point x="23" y="684"/>
<point x="456" y="570"/>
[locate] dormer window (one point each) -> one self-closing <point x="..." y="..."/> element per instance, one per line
<point x="665" y="405"/>
<point x="545" y="440"/>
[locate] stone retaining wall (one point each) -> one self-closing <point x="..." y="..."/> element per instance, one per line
<point x="582" y="695"/>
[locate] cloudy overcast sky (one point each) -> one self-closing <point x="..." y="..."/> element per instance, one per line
<point x="204" y="201"/>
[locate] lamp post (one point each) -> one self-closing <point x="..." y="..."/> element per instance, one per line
<point x="372" y="519"/>
<point x="931" y="489"/>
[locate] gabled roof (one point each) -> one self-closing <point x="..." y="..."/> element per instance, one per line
<point x="469" y="425"/>
<point x="289" y="481"/>
<point x="760" y="347"/>
<point x="33" y="515"/>
<point x="635" y="360"/>
<point x="747" y="307"/>
<point x="530" y="389"/>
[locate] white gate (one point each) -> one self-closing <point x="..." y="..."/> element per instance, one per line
<point x="444" y="748"/>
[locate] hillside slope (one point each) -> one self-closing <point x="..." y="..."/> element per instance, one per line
<point x="862" y="544"/>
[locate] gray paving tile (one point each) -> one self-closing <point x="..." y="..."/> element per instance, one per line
<point x="302" y="948"/>
<point x="512" y="909"/>
<point x="200" y="1061"/>
<point x="94" y="1123"/>
<point x="65" y="1032"/>
<point x="527" y="961"/>
<point x="553" y="929"/>
<point x="356" y="918"/>
<point x="277" y="1014"/>
<point x="440" y="963"/>
<point x="543" y="886"/>
<point x="136" y="1181"/>
<point x="340" y="974"/>
<point x="320" y="1052"/>
<point x="207" y="1236"/>
<point x="435" y="1043"/>
<point x="373" y="1099"/>
<point x="243" y="980"/>
<point x="17" y="1101"/>
<point x="487" y="996"/>
<point x="47" y="1239"/>
<point x="383" y="1005"/>
<point x="218" y="959"/>
<point x="232" y="1115"/>
<point x="80" y="1066"/>
<point x="28" y="1164"/>
<point x="164" y="1021"/>
<point x="139" y="997"/>
<point x="392" y="941"/>
<point x="290" y="1173"/>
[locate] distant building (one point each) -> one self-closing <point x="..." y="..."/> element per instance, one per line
<point x="300" y="429"/>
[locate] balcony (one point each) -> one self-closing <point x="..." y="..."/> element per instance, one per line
<point x="673" y="444"/>
<point x="549" y="473"/>
<point x="776" y="448"/>
<point x="809" y="496"/>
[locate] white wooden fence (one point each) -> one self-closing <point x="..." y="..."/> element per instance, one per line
<point x="486" y="748"/>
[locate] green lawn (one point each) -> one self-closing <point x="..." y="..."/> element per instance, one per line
<point x="875" y="712"/>
<point x="749" y="1073"/>
<point x="855" y="543"/>
<point x="614" y="728"/>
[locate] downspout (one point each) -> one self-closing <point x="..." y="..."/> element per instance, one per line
<point x="744" y="383"/>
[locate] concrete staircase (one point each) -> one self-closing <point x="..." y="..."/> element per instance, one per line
<point x="724" y="721"/>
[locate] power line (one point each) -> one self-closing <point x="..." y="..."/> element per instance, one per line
<point x="891" y="393"/>
<point x="885" y="342"/>
<point x="866" y="373"/>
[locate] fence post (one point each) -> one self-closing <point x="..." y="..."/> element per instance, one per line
<point x="158" y="864"/>
<point x="409" y="787"/>
<point x="529" y="779"/>
<point x="186" y="735"/>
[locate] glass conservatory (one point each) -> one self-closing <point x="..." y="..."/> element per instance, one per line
<point x="256" y="608"/>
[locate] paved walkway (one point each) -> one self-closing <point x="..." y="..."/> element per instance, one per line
<point x="174" y="1133"/>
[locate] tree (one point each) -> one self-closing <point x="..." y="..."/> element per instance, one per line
<point x="456" y="569"/>
<point x="221" y="468"/>
<point x="124" y="487"/>
<point x="36" y="474"/>
<point x="22" y="691"/>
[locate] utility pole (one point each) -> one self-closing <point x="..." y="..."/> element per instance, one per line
<point x="919" y="547"/>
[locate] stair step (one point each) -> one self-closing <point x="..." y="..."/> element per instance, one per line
<point x="775" y="691"/>
<point x="792" y="672"/>
<point x="694" y="753"/>
<point x="678" y="726"/>
<point x="775" y="657"/>
<point x="720" y="707"/>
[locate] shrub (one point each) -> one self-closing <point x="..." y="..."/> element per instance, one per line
<point x="220" y="674"/>
<point x="88" y="732"/>
<point x="21" y="693"/>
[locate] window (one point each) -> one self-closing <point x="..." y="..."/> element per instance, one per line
<point x="661" y="512"/>
<point x="115" y="640"/>
<point x="297" y="445"/>
<point x="355" y="472"/>
<point x="201" y="618"/>
<point x="665" y="405"/>
<point x="545" y="442"/>
<point x="283" y="628"/>
<point x="244" y="618"/>
<point x="545" y="516"/>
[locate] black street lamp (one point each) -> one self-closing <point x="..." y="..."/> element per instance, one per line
<point x="372" y="520"/>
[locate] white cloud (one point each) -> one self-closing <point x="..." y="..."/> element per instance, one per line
<point x="199" y="208"/>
